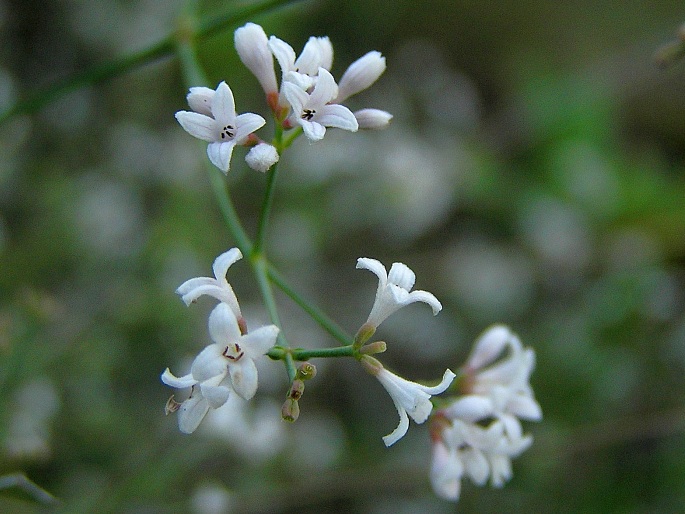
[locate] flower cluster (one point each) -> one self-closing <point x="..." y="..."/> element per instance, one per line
<point x="478" y="433"/>
<point x="410" y="399"/>
<point x="228" y="364"/>
<point x="308" y="98"/>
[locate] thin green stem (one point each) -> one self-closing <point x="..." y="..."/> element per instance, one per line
<point x="260" y="267"/>
<point x="316" y="314"/>
<point x="164" y="48"/>
<point x="301" y="354"/>
<point x="266" y="209"/>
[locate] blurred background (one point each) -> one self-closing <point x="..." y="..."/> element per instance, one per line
<point x="533" y="174"/>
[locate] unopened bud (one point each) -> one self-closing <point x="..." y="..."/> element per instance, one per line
<point x="373" y="348"/>
<point x="290" y="410"/>
<point x="372" y="365"/>
<point x="306" y="371"/>
<point x="296" y="390"/>
<point x="363" y="334"/>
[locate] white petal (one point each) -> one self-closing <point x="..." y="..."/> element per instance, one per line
<point x="200" y="100"/>
<point x="209" y="363"/>
<point x="191" y="413"/>
<point x="314" y="131"/>
<point x="447" y="378"/>
<point x="215" y="393"/>
<point x="476" y="464"/>
<point x="325" y="90"/>
<point x="525" y="407"/>
<point x="223" y="105"/>
<point x="402" y="276"/>
<point x="361" y="74"/>
<point x="374" y="266"/>
<point x="220" y="154"/>
<point x="401" y="429"/>
<point x="471" y="408"/>
<point x="244" y="377"/>
<point x="317" y="52"/>
<point x="425" y="297"/>
<point x="246" y="124"/>
<point x="258" y="342"/>
<point x="446" y="472"/>
<point x="225" y="261"/>
<point x="197" y="125"/>
<point x="489" y="346"/>
<point x="295" y="97"/>
<point x="337" y="116"/>
<point x="284" y="54"/>
<point x="223" y="326"/>
<point x="178" y="382"/>
<point x="302" y="81"/>
<point x="194" y="283"/>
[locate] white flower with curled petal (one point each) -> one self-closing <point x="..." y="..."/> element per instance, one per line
<point x="393" y="290"/>
<point x="214" y="120"/>
<point x="226" y="365"/>
<point x="313" y="112"/>
<point x="410" y="399"/>
<point x="218" y="287"/>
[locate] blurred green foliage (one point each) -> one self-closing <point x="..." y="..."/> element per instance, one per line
<point x="533" y="175"/>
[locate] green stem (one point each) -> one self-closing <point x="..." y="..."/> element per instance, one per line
<point x="300" y="354"/>
<point x="260" y="267"/>
<point x="317" y="315"/>
<point x="266" y="209"/>
<point x="164" y="48"/>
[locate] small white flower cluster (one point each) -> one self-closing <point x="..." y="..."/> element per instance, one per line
<point x="480" y="432"/>
<point x="410" y="399"/>
<point x="227" y="365"/>
<point x="308" y="97"/>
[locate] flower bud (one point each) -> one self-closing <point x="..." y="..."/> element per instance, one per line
<point x="290" y="410"/>
<point x="363" y="334"/>
<point x="306" y="371"/>
<point x="361" y="74"/>
<point x="373" y="348"/>
<point x="296" y="390"/>
<point x="372" y="118"/>
<point x="261" y="157"/>
<point x="251" y="44"/>
<point x="372" y="365"/>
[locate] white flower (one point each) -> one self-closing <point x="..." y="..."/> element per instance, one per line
<point x="226" y="365"/>
<point x="410" y="398"/>
<point x="313" y="112"/>
<point x="221" y="128"/>
<point x="303" y="70"/>
<point x="360" y="74"/>
<point x="218" y="287"/>
<point x="504" y="383"/>
<point x="261" y="157"/>
<point x="446" y="471"/>
<point x="252" y="46"/>
<point x="372" y="118"/>
<point x="394" y="290"/>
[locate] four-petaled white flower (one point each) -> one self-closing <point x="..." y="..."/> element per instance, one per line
<point x="410" y="398"/>
<point x="313" y="112"/>
<point x="218" y="287"/>
<point x="227" y="364"/>
<point x="394" y="290"/>
<point x="214" y="120"/>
